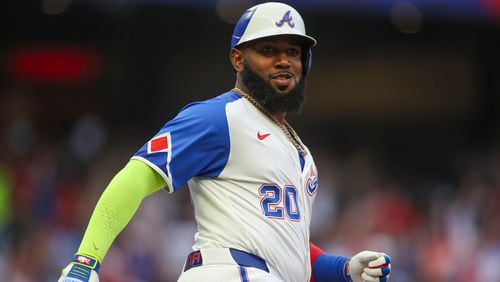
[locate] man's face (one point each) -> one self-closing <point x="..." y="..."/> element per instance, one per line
<point x="276" y="60"/>
<point x="273" y="74"/>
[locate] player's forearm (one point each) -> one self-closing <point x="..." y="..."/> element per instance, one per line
<point x="364" y="266"/>
<point x="116" y="207"/>
<point x="326" y="267"/>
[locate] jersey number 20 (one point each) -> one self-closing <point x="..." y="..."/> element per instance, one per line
<point x="276" y="199"/>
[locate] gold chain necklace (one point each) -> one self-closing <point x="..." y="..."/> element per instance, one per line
<point x="285" y="126"/>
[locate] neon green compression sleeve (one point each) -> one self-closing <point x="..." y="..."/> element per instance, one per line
<point x="117" y="205"/>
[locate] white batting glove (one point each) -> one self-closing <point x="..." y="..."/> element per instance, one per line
<point x="81" y="269"/>
<point x="368" y="266"/>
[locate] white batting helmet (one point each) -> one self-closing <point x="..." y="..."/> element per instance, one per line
<point x="272" y="19"/>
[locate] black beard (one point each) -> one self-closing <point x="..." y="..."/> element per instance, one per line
<point x="274" y="102"/>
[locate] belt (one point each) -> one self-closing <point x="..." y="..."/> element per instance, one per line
<point x="224" y="256"/>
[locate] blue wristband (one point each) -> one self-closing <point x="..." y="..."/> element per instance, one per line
<point x="87" y="261"/>
<point x="330" y="268"/>
<point x="82" y="267"/>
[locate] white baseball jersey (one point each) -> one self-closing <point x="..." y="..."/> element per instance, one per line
<point x="250" y="187"/>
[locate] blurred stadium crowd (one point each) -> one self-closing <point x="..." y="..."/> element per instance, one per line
<point x="436" y="228"/>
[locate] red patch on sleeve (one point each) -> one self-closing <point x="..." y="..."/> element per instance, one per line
<point x="159" y="144"/>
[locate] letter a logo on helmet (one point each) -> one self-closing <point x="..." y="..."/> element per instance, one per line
<point x="273" y="19"/>
<point x="286" y="19"/>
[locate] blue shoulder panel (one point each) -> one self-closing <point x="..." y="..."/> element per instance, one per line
<point x="196" y="142"/>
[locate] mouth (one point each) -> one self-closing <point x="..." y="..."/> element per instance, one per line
<point x="283" y="80"/>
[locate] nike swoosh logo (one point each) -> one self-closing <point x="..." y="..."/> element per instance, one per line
<point x="262" y="136"/>
<point x="95" y="247"/>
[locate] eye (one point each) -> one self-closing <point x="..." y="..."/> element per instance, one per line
<point x="294" y="52"/>
<point x="267" y="50"/>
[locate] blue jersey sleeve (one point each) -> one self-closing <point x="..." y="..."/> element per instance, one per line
<point x="194" y="143"/>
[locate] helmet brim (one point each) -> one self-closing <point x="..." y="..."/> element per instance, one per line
<point x="305" y="41"/>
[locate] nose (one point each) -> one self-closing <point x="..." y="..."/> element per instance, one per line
<point x="282" y="60"/>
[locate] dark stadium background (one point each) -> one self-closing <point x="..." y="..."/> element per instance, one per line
<point x="403" y="118"/>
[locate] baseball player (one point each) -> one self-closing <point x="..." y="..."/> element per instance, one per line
<point x="252" y="180"/>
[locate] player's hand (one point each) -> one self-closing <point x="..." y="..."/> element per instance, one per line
<point x="81" y="269"/>
<point x="370" y="267"/>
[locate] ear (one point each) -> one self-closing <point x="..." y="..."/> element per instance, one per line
<point x="236" y="57"/>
